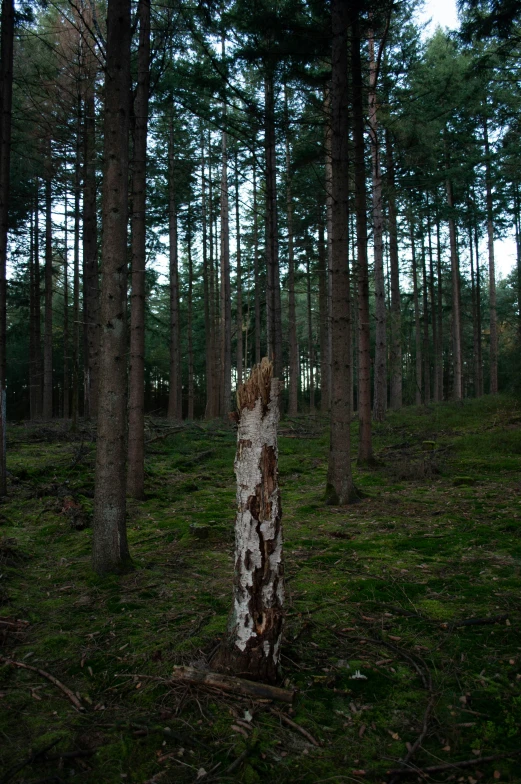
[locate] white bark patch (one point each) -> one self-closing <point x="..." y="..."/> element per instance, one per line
<point x="258" y="536"/>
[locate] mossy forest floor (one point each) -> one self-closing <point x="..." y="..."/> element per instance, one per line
<point x="403" y="611"/>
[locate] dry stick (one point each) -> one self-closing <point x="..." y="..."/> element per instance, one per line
<point x="231" y="684"/>
<point x="419" y="740"/>
<point x="451" y="765"/>
<point x="72" y="697"/>
<point x="291" y="723"/>
<point x="34" y="756"/>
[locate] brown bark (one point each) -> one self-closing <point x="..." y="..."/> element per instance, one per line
<point x="491" y="266"/>
<point x="395" y="353"/>
<point x="476" y="337"/>
<point x="426" y="343"/>
<point x="457" y="364"/>
<point x="35" y="401"/>
<point x="76" y="277"/>
<point x="417" y="328"/>
<point x="226" y="305"/>
<point x="207" y="290"/>
<point x="365" y="449"/>
<point x="66" y="336"/>
<point x="174" y="393"/>
<point x="273" y="301"/>
<point x="292" y="312"/>
<point x="6" y="93"/>
<point x="189" y="325"/>
<point x="323" y="283"/>
<point x="311" y="352"/>
<point x="340" y="487"/>
<point x="136" y="403"/>
<point x="329" y="219"/>
<point x="517" y="221"/>
<point x="239" y="277"/>
<point x="110" y="548"/>
<point x="47" y="337"/>
<point x="256" y="272"/>
<point x="256" y="625"/>
<point x="380" y="354"/>
<point x="439" y="362"/>
<point x="437" y="392"/>
<point x="479" y="361"/>
<point x="91" y="295"/>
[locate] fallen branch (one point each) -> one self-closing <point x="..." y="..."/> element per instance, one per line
<point x="451" y="765"/>
<point x="68" y="693"/>
<point x="295" y="726"/>
<point x="32" y="758"/>
<point x="419" y="740"/>
<point x="229" y="683"/>
<point x="474" y="621"/>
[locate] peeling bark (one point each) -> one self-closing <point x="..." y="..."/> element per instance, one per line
<point x="253" y="648"/>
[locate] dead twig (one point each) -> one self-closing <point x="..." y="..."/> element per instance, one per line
<point x="232" y="684"/>
<point x="414" y="771"/>
<point x="65" y="689"/>
<point x="32" y="758"/>
<point x="295" y="726"/>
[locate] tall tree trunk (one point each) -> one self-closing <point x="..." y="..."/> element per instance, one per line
<point x="365" y="448"/>
<point x="323" y="283"/>
<point x="110" y="548"/>
<point x="226" y="305"/>
<point x="417" y="328"/>
<point x="66" y="336"/>
<point x="436" y="391"/>
<point x="6" y="94"/>
<point x="476" y="337"/>
<point x="517" y="220"/>
<point x="439" y="362"/>
<point x="47" y="338"/>
<point x="91" y="295"/>
<point x="491" y="266"/>
<point x="478" y="314"/>
<point x="256" y="625"/>
<point x="340" y="488"/>
<point x="34" y="320"/>
<point x="207" y="287"/>
<point x="380" y="355"/>
<point x="329" y="228"/>
<point x="190" y="318"/>
<point x="311" y="353"/>
<point x="457" y="362"/>
<point x="395" y="354"/>
<point x="292" y="312"/>
<point x="76" y="276"/>
<point x="274" y="313"/>
<point x="136" y="407"/>
<point x="256" y="272"/>
<point x="426" y="346"/>
<point x="174" y="394"/>
<point x="239" y="277"/>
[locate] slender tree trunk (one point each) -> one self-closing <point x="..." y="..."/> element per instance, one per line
<point x="395" y="354"/>
<point x="440" y="310"/>
<point x="491" y="266"/>
<point x="38" y="308"/>
<point x="110" y="548"/>
<point x="340" y="487"/>
<point x="207" y="287"/>
<point x="437" y="393"/>
<point x="239" y="277"/>
<point x="190" y="319"/>
<point x="365" y="449"/>
<point x="212" y="403"/>
<point x="478" y="314"/>
<point x="34" y="323"/>
<point x="475" y="334"/>
<point x="136" y="407"/>
<point x="76" y="277"/>
<point x="324" y="315"/>
<point x="456" y="306"/>
<point x="47" y="338"/>
<point x="380" y="355"/>
<point x="426" y="346"/>
<point x="329" y="228"/>
<point x="91" y="296"/>
<point x="311" y="353"/>
<point x="174" y="394"/>
<point x="292" y="312"/>
<point x="417" y="328"/>
<point x="517" y="220"/>
<point x="256" y="625"/>
<point x="66" y="336"/>
<point x="256" y="272"/>
<point x="6" y="93"/>
<point x="226" y="306"/>
<point x="274" y="313"/>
